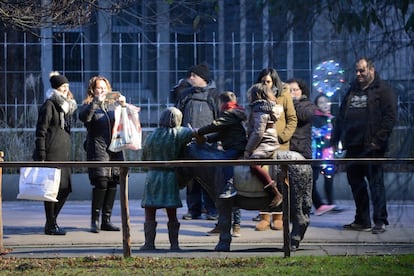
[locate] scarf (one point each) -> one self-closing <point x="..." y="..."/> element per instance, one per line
<point x="67" y="108"/>
<point x="230" y="105"/>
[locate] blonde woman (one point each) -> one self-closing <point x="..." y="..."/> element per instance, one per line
<point x="99" y="118"/>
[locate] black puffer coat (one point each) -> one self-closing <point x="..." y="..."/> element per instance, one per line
<point x="99" y="122"/>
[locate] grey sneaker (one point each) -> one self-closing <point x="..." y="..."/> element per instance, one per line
<point x="378" y="228"/>
<point x="229" y="191"/>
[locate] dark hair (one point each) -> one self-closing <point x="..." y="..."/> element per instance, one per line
<point x="320" y="95"/>
<point x="302" y="85"/>
<point x="227" y="96"/>
<point x="277" y="83"/>
<point x="370" y="63"/>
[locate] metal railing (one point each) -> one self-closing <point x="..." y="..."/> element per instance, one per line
<point x="125" y="165"/>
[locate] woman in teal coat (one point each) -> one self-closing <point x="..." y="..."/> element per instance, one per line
<point x="161" y="186"/>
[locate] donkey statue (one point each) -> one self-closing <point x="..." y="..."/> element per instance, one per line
<point x="250" y="193"/>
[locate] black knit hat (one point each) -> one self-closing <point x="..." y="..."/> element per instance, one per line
<point x="57" y="80"/>
<point x="202" y="71"/>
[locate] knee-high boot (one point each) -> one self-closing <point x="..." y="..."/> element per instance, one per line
<point x="173" y="228"/>
<point x="51" y="227"/>
<point x="98" y="196"/>
<point x="150" y="232"/>
<point x="59" y="205"/>
<point x="108" y="204"/>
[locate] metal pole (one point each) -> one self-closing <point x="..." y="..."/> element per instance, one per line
<point x="1" y="204"/>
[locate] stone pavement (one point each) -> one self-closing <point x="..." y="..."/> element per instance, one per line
<point x="23" y="236"/>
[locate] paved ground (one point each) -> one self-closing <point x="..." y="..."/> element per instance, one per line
<point x="23" y="236"/>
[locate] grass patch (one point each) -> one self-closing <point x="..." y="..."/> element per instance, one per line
<point x="309" y="265"/>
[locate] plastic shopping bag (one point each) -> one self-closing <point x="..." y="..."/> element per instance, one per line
<point x="127" y="131"/>
<point x="38" y="183"/>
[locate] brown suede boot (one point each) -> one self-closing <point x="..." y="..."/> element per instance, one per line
<point x="277" y="221"/>
<point x="278" y="197"/>
<point x="264" y="223"/>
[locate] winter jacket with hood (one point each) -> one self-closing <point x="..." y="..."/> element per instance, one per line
<point x="261" y="131"/>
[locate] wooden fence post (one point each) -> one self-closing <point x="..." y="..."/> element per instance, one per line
<point x="1" y="204"/>
<point x="123" y="194"/>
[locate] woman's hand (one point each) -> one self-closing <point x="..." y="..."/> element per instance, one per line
<point x="122" y="100"/>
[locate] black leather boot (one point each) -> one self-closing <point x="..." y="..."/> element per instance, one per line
<point x="108" y="204"/>
<point x="98" y="196"/>
<point x="51" y="227"/>
<point x="149" y="232"/>
<point x="173" y="228"/>
<point x="59" y="205"/>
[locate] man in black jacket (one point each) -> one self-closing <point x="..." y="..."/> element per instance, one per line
<point x="364" y="124"/>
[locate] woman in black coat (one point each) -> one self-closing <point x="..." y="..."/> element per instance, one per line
<point x="53" y="143"/>
<point x="99" y="118"/>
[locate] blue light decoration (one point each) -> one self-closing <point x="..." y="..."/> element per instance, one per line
<point x="328" y="77"/>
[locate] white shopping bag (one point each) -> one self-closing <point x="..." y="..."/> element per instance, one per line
<point x="127" y="132"/>
<point x="38" y="183"/>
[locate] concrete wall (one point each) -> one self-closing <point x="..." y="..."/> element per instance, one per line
<point x="399" y="186"/>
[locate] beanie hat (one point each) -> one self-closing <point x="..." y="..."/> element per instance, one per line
<point x="202" y="71"/>
<point x="56" y="80"/>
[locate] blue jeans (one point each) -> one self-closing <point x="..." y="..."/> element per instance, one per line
<point x="236" y="216"/>
<point x="206" y="151"/>
<point x="197" y="198"/>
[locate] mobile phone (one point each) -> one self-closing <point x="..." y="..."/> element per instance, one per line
<point x="114" y="95"/>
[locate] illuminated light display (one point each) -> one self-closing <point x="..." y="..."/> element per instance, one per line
<point x="328" y="77"/>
